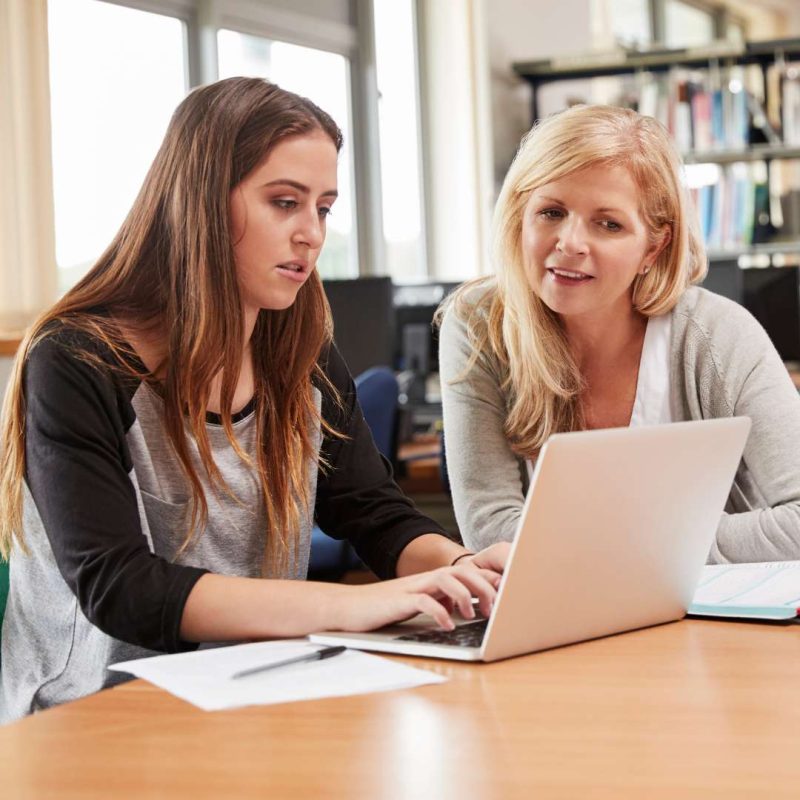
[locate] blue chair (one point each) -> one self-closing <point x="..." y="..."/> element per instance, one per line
<point x="4" y="583"/>
<point x="377" y="393"/>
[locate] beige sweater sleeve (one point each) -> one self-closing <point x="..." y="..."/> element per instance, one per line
<point x="730" y="367"/>
<point x="486" y="477"/>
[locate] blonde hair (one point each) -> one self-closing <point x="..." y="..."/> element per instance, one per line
<point x="541" y="380"/>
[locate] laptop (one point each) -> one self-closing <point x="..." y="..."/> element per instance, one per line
<point x="613" y="536"/>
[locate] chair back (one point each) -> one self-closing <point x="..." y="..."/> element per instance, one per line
<point x="378" y="392"/>
<point x="4" y="583"/>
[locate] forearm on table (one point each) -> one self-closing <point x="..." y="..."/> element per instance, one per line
<point x="226" y="608"/>
<point x="426" y="552"/>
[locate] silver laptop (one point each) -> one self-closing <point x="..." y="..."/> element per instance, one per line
<point x="613" y="536"/>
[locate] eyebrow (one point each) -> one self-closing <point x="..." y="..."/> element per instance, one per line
<point x="604" y="210"/>
<point x="301" y="187"/>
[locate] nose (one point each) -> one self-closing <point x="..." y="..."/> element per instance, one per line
<point x="310" y="230"/>
<point x="572" y="237"/>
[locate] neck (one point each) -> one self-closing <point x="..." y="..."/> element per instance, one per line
<point x="594" y="341"/>
<point x="249" y="317"/>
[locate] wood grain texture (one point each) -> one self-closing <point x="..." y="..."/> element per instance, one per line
<point x="9" y="345"/>
<point x="692" y="709"/>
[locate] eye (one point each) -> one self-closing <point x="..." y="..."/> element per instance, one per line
<point x="324" y="211"/>
<point x="285" y="204"/>
<point x="610" y="225"/>
<point x="552" y="213"/>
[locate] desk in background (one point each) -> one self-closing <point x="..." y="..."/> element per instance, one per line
<point x="694" y="709"/>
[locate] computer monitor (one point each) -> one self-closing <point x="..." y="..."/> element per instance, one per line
<point x="363" y="321"/>
<point x="416" y="345"/>
<point x="770" y="294"/>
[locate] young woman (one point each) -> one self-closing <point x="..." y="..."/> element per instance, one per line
<point x="591" y="321"/>
<point x="178" y="420"/>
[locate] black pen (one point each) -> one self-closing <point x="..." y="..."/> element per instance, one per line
<point x="317" y="655"/>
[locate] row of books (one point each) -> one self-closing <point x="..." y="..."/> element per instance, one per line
<point x="746" y="203"/>
<point x="727" y="207"/>
<point x="721" y="108"/>
<point x="699" y="117"/>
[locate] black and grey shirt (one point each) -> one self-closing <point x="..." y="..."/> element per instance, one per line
<point x="105" y="514"/>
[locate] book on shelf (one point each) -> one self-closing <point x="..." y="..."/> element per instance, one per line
<point x="718" y="109"/>
<point x="790" y="103"/>
<point x="730" y="207"/>
<point x="704" y="110"/>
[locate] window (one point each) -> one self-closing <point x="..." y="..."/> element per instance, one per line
<point x="630" y="22"/>
<point x="669" y="23"/>
<point x="111" y="100"/>
<point x="117" y="72"/>
<point x="686" y="25"/>
<point x="399" y="140"/>
<point x="322" y="77"/>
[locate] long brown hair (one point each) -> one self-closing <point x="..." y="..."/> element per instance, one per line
<point x="171" y="269"/>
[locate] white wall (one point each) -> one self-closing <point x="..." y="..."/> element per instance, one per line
<point x="5" y="372"/>
<point x="520" y="30"/>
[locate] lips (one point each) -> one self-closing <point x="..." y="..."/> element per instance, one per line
<point x="296" y="271"/>
<point x="294" y="266"/>
<point x="571" y="275"/>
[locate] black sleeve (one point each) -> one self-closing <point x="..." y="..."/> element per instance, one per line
<point x="77" y="470"/>
<point x="357" y="498"/>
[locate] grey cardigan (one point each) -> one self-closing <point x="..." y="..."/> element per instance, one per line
<point x="722" y="364"/>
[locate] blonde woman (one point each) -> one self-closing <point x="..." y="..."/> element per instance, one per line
<point x="591" y="320"/>
<point x="178" y="420"/>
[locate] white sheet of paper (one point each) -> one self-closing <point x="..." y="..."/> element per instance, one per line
<point x="203" y="677"/>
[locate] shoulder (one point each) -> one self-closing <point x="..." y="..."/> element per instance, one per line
<point x="333" y="371"/>
<point x="61" y="342"/>
<point x="470" y="324"/>
<point x="69" y="352"/>
<point x="706" y="318"/>
<point x="463" y="317"/>
<point x="718" y="342"/>
<point x="712" y="313"/>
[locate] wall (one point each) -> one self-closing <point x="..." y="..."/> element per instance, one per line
<point x="519" y="30"/>
<point x="5" y="372"/>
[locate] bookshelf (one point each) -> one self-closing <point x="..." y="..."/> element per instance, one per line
<point x="734" y="112"/>
<point x="734" y="109"/>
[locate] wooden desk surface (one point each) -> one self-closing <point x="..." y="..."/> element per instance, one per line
<point x="692" y="709"/>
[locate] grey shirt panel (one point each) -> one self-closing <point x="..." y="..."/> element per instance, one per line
<point x="722" y="364"/>
<point x="51" y="651"/>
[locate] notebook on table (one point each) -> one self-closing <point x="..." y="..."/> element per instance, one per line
<point x="764" y="590"/>
<point x="613" y="536"/>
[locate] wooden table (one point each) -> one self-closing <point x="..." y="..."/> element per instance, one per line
<point x="692" y="709"/>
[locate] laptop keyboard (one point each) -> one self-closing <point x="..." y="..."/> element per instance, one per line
<point x="470" y="634"/>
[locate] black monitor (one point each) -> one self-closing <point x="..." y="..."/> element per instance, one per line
<point x="770" y="294"/>
<point x="363" y="321"/>
<point x="416" y="344"/>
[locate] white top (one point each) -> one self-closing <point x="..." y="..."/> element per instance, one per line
<point x="651" y="405"/>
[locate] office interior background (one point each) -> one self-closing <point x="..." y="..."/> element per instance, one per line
<point x="433" y="97"/>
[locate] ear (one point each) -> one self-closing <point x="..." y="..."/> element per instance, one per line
<point x="655" y="249"/>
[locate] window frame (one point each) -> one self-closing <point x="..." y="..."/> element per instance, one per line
<point x="720" y="15"/>
<point x="355" y="41"/>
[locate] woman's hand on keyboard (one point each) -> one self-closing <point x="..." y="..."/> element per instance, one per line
<point x="436" y="593"/>
<point x="493" y="557"/>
